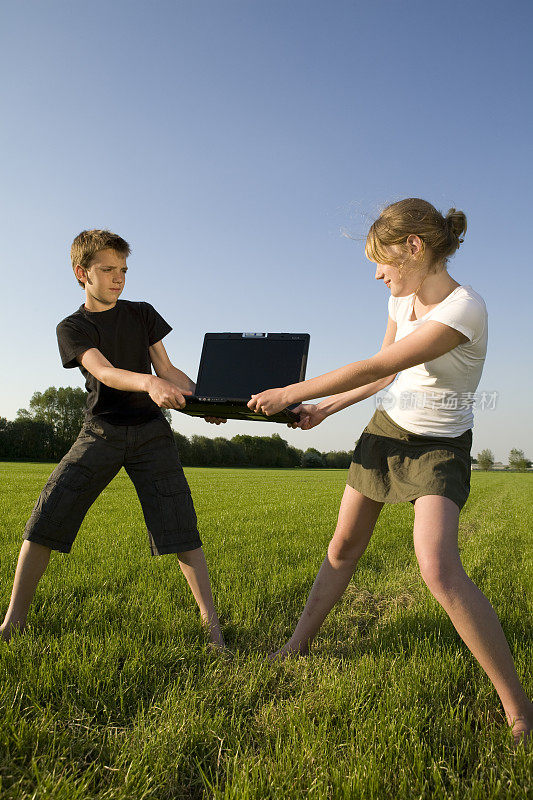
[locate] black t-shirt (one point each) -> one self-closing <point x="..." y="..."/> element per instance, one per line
<point x="123" y="335"/>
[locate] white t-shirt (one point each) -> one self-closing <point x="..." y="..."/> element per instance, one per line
<point x="435" y="398"/>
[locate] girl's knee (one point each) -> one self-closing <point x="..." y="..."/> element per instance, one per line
<point x="345" y="549"/>
<point x="442" y="576"/>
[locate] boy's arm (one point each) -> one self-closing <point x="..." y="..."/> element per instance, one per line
<point x="165" y="369"/>
<point x="163" y="392"/>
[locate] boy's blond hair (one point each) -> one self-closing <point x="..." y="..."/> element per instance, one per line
<point x="88" y="243"/>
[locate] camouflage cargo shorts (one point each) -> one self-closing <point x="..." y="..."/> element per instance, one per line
<point x="149" y="455"/>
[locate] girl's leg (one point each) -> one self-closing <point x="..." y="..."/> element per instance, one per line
<point x="194" y="567"/>
<point x="357" y="517"/>
<point x="435" y="539"/>
<point x="32" y="562"/>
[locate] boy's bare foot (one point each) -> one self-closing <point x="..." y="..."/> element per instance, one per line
<point x="216" y="640"/>
<point x="221" y="650"/>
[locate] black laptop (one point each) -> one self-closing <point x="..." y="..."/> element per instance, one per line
<point x="234" y="366"/>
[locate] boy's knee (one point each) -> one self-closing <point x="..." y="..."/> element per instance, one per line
<point x="35" y="547"/>
<point x="188" y="556"/>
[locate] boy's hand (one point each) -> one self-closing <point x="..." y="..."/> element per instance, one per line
<point x="165" y="394"/>
<point x="310" y="416"/>
<point x="215" y="420"/>
<point x="269" y="402"/>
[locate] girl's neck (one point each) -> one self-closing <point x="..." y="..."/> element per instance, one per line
<point x="434" y="287"/>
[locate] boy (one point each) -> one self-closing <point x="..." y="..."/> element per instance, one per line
<point x="114" y="343"/>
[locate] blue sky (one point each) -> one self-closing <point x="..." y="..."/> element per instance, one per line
<point x="232" y="143"/>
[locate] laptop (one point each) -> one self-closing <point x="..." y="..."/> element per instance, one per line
<point x="234" y="366"/>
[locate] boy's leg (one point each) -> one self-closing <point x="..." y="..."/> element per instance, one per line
<point x="194" y="567"/>
<point x="153" y="464"/>
<point x="32" y="562"/>
<point x="71" y="489"/>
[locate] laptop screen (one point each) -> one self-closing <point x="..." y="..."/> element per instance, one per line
<point x="237" y="365"/>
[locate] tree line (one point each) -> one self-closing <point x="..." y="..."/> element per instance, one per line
<point x="47" y="430"/>
<point x="517" y="460"/>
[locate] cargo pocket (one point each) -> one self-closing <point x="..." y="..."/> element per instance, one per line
<point x="61" y="495"/>
<point x="175" y="504"/>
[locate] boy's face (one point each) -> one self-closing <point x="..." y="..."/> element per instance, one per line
<point x="104" y="279"/>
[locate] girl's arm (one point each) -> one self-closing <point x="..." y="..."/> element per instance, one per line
<point x="311" y="415"/>
<point x="339" y="401"/>
<point x="429" y="341"/>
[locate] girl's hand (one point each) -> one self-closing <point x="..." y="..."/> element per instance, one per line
<point x="310" y="416"/>
<point x="215" y="420"/>
<point x="269" y="402"/>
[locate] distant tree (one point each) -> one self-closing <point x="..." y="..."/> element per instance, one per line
<point x="224" y="452"/>
<point x="517" y="460"/>
<point x="485" y="459"/>
<point x="337" y="459"/>
<point x="261" y="451"/>
<point x="202" y="451"/>
<point x="248" y="450"/>
<point x="184" y="448"/>
<point x="296" y="456"/>
<point x="473" y="460"/>
<point x="63" y="409"/>
<point x="312" y="458"/>
<point x="28" y="440"/>
<point x="284" y="454"/>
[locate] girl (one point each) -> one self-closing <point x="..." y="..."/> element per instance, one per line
<point x="418" y="450"/>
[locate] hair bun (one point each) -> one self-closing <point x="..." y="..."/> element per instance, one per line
<point x="456" y="221"/>
<point x="440" y="235"/>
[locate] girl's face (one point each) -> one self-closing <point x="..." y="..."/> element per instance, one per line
<point x="400" y="283"/>
<point x="391" y="277"/>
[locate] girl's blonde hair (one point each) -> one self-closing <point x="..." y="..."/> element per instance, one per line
<point x="440" y="235"/>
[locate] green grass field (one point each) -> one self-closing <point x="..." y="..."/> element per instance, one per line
<point x="112" y="693"/>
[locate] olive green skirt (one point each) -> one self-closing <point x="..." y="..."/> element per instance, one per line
<point x="393" y="465"/>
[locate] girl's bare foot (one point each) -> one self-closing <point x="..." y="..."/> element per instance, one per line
<point x="522" y="728"/>
<point x="288" y="650"/>
<point x="7" y="630"/>
<point x="216" y="639"/>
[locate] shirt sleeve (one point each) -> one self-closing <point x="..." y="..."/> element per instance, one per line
<point x="464" y="314"/>
<point x="157" y="327"/>
<point x="73" y="341"/>
<point x="392" y="308"/>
